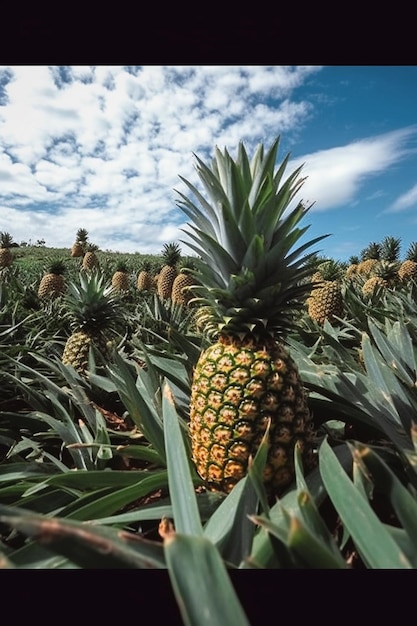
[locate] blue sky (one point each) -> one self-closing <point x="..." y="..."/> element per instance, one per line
<point x="101" y="148"/>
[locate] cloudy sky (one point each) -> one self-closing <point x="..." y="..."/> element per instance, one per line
<point x="102" y="147"/>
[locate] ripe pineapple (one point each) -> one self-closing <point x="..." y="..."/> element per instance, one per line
<point x="80" y="244"/>
<point x="369" y="259"/>
<point x="120" y="278"/>
<point x="95" y="311"/>
<point x="6" y="256"/>
<point x="181" y="294"/>
<point x="385" y="275"/>
<point x="171" y="255"/>
<point x="52" y="283"/>
<point x="408" y="268"/>
<point x="90" y="260"/>
<point x="326" y="300"/>
<point x="145" y="281"/>
<point x="252" y="282"/>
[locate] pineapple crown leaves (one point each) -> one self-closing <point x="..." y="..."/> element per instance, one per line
<point x="242" y="231"/>
<point x="56" y="266"/>
<point x="6" y="240"/>
<point x="411" y="253"/>
<point x="390" y="248"/>
<point x="93" y="305"/>
<point x="171" y="253"/>
<point x="81" y="236"/>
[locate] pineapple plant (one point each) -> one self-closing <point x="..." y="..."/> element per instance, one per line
<point x="120" y="278"/>
<point x="52" y="283"/>
<point x="326" y="300"/>
<point x="352" y="268"/>
<point x="79" y="246"/>
<point x="145" y="278"/>
<point x="181" y="294"/>
<point x="171" y="255"/>
<point x="385" y="275"/>
<point x="6" y="256"/>
<point x="90" y="260"/>
<point x="95" y="313"/>
<point x="408" y="268"/>
<point x="252" y="283"/>
<point x="369" y="259"/>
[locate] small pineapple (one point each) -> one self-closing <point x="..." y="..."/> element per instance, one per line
<point x="369" y="259"/>
<point x="247" y="380"/>
<point x="90" y="260"/>
<point x="326" y="300"/>
<point x="171" y="255"/>
<point x="352" y="268"/>
<point x="145" y="279"/>
<point x="96" y="313"/>
<point x="408" y="268"/>
<point x="385" y="275"/>
<point x="80" y="244"/>
<point x="120" y="278"/>
<point x="181" y="294"/>
<point x="52" y="283"/>
<point x="6" y="256"/>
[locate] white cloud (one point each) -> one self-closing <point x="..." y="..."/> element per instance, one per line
<point x="405" y="201"/>
<point x="102" y="147"/>
<point x="335" y="176"/>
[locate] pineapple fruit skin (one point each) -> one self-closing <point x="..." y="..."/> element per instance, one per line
<point x="239" y="387"/>
<point x="166" y="279"/>
<point x="120" y="281"/>
<point x="76" y="351"/>
<point x="6" y="257"/>
<point x="178" y="295"/>
<point x="325" y="302"/>
<point x="51" y="285"/>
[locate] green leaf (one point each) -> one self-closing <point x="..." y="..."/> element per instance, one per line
<point x="202" y="587"/>
<point x="181" y="487"/>
<point x="374" y="543"/>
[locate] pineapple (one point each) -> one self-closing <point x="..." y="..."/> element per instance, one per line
<point x="385" y="275"/>
<point x="80" y="244"/>
<point x="326" y="301"/>
<point x="252" y="282"/>
<point x="90" y="260"/>
<point x="52" y="283"/>
<point x="181" y="293"/>
<point x="95" y="312"/>
<point x="369" y="259"/>
<point x="171" y="255"/>
<point x="6" y="256"/>
<point x="144" y="280"/>
<point x="120" y="278"/>
<point x="408" y="268"/>
<point x="352" y="268"/>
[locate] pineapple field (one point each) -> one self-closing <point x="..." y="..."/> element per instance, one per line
<point x="251" y="406"/>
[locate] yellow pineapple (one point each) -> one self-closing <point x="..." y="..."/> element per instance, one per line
<point x="385" y="275"/>
<point x="181" y="293"/>
<point x="369" y="259"/>
<point x="120" y="278"/>
<point x="326" y="300"/>
<point x="6" y="256"/>
<point x="171" y="255"/>
<point x="252" y="282"/>
<point x="145" y="279"/>
<point x="79" y="246"/>
<point x="408" y="268"/>
<point x="52" y="283"/>
<point x="90" y="260"/>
